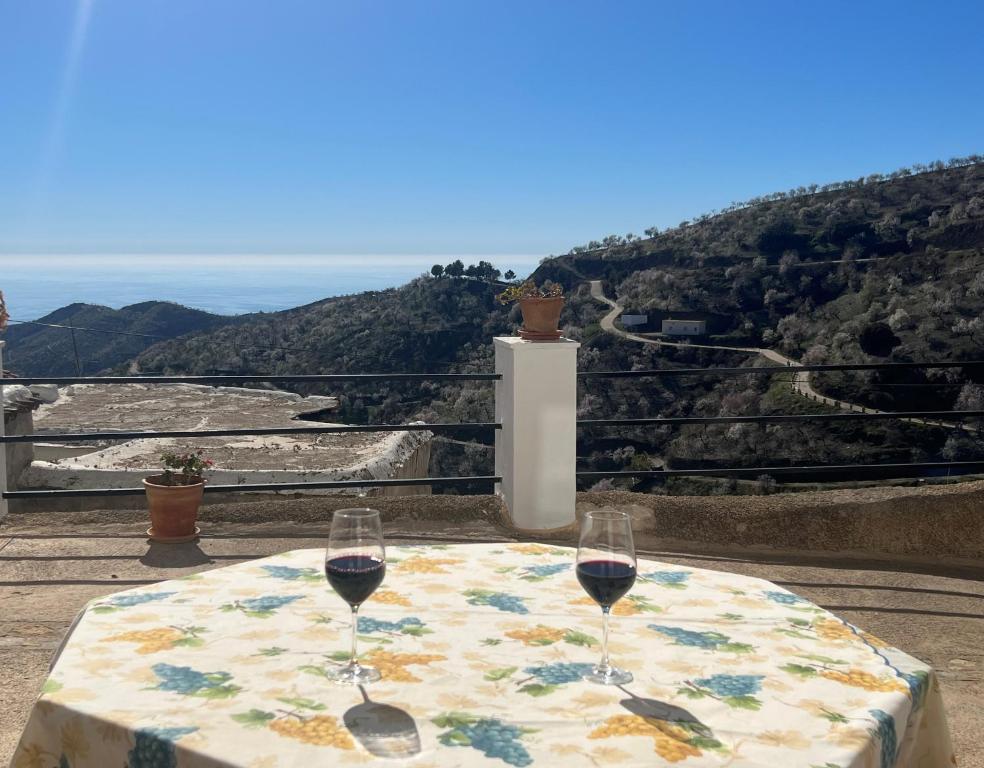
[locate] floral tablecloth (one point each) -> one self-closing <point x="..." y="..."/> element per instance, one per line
<point x="481" y="648"/>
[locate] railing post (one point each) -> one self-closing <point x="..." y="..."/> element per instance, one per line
<point x="3" y="446"/>
<point x="536" y="448"/>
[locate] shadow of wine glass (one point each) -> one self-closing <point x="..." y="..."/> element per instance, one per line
<point x="384" y="730"/>
<point x="660" y="710"/>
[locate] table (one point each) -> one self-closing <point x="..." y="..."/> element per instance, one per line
<point x="481" y="648"/>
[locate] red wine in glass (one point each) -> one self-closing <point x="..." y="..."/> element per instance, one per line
<point x="355" y="564"/>
<point x="606" y="569"/>
<point x="606" y="581"/>
<point x="355" y="577"/>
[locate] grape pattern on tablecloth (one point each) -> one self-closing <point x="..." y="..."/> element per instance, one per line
<point x="485" y="647"/>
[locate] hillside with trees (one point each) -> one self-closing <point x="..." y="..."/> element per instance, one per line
<point x="881" y="269"/>
<point x="103" y="337"/>
<point x="875" y="271"/>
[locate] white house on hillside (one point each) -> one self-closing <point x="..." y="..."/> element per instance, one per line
<point x="684" y="327"/>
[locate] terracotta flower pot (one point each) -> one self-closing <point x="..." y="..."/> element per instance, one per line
<point x="541" y="317"/>
<point x="173" y="509"/>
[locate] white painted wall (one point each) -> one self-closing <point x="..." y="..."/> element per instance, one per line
<point x="397" y="448"/>
<point x="684" y="327"/>
<point x="536" y="449"/>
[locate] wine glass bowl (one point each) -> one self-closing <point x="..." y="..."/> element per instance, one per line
<point x="606" y="569"/>
<point x="355" y="564"/>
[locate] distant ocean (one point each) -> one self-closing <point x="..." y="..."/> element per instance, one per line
<point x="35" y="285"/>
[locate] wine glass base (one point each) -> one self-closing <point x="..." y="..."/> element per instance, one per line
<point x="610" y="676"/>
<point x="354" y="675"/>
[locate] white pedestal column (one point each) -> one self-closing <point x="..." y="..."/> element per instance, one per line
<point x="536" y="449"/>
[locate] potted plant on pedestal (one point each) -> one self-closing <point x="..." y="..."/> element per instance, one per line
<point x="540" y="308"/>
<point x="174" y="496"/>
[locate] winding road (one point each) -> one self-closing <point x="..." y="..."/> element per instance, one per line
<point x="801" y="379"/>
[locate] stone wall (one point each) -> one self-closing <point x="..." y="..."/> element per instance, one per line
<point x="932" y="521"/>
<point x="416" y="465"/>
<point x="19" y="455"/>
<point x="933" y="525"/>
<point x="401" y="455"/>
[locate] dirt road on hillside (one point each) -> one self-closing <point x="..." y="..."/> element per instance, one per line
<point x="801" y="379"/>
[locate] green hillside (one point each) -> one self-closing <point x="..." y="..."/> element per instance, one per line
<point x="879" y="269"/>
<point x="874" y="270"/>
<point x="784" y="273"/>
<point x="38" y="349"/>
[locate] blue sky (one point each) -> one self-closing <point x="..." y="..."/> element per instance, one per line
<point x="405" y="127"/>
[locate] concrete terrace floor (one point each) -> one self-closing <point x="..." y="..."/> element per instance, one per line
<point x="53" y="563"/>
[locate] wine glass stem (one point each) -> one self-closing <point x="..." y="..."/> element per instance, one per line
<point x="354" y="661"/>
<point x="605" y="665"/>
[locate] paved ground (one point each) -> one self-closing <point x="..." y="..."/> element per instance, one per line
<point x="51" y="565"/>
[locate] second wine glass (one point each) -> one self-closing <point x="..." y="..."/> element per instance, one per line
<point x="355" y="564"/>
<point x="606" y="568"/>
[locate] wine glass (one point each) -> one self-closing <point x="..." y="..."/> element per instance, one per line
<point x="355" y="564"/>
<point x="606" y="568"/>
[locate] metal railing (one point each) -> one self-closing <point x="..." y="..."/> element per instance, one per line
<point x="783" y="418"/>
<point x="249" y="379"/>
<point x="220" y="380"/>
<point x="261" y="487"/>
<point x="82" y="437"/>
<point x="913" y="469"/>
<point x="774" y="369"/>
<point x="926" y="418"/>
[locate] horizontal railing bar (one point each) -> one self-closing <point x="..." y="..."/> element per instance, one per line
<point x="780" y="418"/>
<point x="79" y="437"/>
<point x="239" y="379"/>
<point x="365" y="377"/>
<point x="327" y="484"/>
<point x="769" y="369"/>
<point x="756" y="471"/>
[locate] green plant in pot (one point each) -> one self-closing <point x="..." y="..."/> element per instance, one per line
<point x="540" y="306"/>
<point x="175" y="495"/>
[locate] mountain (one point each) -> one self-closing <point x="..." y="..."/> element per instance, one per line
<point x="871" y="270"/>
<point x="111" y="337"/>
<point x="880" y="269"/>
<point x="874" y="271"/>
<point x="427" y="325"/>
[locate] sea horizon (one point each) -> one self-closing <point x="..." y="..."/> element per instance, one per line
<point x="35" y="285"/>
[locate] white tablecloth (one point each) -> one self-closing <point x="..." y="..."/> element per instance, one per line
<point x="481" y="648"/>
